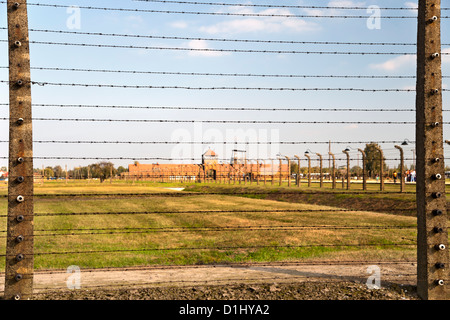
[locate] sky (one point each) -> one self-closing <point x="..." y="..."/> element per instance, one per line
<point x="171" y="59"/>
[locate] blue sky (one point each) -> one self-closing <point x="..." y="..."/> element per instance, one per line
<point x="230" y="27"/>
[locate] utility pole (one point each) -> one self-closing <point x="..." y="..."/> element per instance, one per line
<point x="432" y="234"/>
<point x="19" y="243"/>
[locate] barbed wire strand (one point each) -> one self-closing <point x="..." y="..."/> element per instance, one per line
<point x="222" y="121"/>
<point x="180" y="159"/>
<point x="106" y="231"/>
<point x="189" y="49"/>
<point x="225" y="74"/>
<point x="161" y="37"/>
<point x="181" y="12"/>
<point x="330" y="210"/>
<point x="332" y="7"/>
<point x="228" y="108"/>
<point x="221" y="248"/>
<point x="211" y="142"/>
<point x="218" y="88"/>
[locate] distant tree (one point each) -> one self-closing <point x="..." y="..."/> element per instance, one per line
<point x="356" y="170"/>
<point x="48" y="172"/>
<point x="102" y="170"/>
<point x="294" y="167"/>
<point x="121" y="170"/>
<point x="58" y="171"/>
<point x="373" y="159"/>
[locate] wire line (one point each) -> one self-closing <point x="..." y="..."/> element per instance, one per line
<point x="334" y="7"/>
<point x="221" y="13"/>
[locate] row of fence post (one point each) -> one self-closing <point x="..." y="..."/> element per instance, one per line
<point x="242" y="174"/>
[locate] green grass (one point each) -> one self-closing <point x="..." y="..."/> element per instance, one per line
<point x="173" y="245"/>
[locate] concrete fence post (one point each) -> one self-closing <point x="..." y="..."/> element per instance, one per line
<point x="333" y="169"/>
<point x="309" y="169"/>
<point x="363" y="169"/>
<point x="432" y="234"/>
<point x="289" y="171"/>
<point x="402" y="167"/>
<point x="348" y="168"/>
<point x="381" y="168"/>
<point x="19" y="235"/>
<point x="298" y="171"/>
<point x="320" y="170"/>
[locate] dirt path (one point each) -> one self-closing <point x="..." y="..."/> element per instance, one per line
<point x="279" y="281"/>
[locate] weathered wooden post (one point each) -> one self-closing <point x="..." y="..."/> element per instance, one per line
<point x="19" y="243"/>
<point x="432" y="237"/>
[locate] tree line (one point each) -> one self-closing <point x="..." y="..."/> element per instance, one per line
<point x="101" y="170"/>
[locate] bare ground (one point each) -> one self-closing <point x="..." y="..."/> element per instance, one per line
<point x="274" y="281"/>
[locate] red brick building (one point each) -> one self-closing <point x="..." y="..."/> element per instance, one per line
<point x="209" y="169"/>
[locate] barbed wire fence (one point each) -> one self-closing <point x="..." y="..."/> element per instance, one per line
<point x="82" y="128"/>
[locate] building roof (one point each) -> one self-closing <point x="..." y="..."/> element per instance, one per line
<point x="210" y="153"/>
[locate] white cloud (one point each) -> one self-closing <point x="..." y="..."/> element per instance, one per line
<point x="135" y="22"/>
<point x="337" y="3"/>
<point x="261" y="24"/>
<point x="405" y="61"/>
<point x="345" y="3"/>
<point x="351" y="127"/>
<point x="202" y="44"/>
<point x="446" y="57"/>
<point x="412" y="5"/>
<point x="395" y="63"/>
<point x="410" y="87"/>
<point x="179" y="24"/>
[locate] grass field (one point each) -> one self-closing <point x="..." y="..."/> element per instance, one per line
<point x="204" y="228"/>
